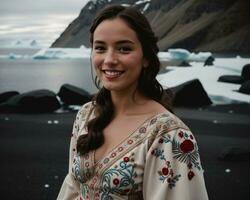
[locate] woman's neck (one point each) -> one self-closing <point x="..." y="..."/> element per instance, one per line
<point x="127" y="104"/>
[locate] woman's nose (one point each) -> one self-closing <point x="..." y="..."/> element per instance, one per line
<point x="110" y="58"/>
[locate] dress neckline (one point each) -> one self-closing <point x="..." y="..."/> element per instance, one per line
<point x="92" y="154"/>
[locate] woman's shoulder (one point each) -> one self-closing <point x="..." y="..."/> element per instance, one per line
<point x="82" y="116"/>
<point x="165" y="122"/>
<point x="85" y="111"/>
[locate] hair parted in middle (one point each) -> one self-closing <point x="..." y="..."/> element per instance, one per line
<point x="147" y="83"/>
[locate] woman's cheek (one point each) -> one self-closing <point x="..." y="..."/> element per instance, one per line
<point x="96" y="61"/>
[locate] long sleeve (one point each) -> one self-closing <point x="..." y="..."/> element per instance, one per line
<point x="173" y="170"/>
<point x="71" y="187"/>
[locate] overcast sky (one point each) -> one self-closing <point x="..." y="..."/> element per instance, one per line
<point x="41" y="20"/>
<point x="16" y="7"/>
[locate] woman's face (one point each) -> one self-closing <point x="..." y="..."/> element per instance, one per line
<point x="117" y="55"/>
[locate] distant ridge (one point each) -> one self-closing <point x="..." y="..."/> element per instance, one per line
<point x="219" y="26"/>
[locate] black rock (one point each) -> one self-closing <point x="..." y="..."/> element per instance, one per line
<point x="231" y="79"/>
<point x="7" y="95"/>
<point x="72" y="95"/>
<point x="209" y="61"/>
<point x="184" y="64"/>
<point x="245" y="87"/>
<point x="190" y="94"/>
<point x="245" y="73"/>
<point x="37" y="101"/>
<point x="235" y="154"/>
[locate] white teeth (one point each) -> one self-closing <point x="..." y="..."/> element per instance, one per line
<point x="113" y="73"/>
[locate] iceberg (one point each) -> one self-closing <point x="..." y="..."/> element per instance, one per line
<point x="25" y="44"/>
<point x="14" y="56"/>
<point x="179" y="54"/>
<point x="63" y="53"/>
<point x="183" y="55"/>
<point x="199" y="57"/>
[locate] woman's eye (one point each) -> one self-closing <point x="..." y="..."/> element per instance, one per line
<point x="99" y="49"/>
<point x="125" y="49"/>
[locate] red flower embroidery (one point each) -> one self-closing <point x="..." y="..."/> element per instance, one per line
<point x="130" y="141"/>
<point x="97" y="194"/>
<point x="113" y="155"/>
<point x="190" y="175"/>
<point x="116" y="181"/>
<point x="187" y="146"/>
<point x="181" y="134"/>
<point x="161" y="140"/>
<point x="120" y="148"/>
<point x="126" y="159"/>
<point x="126" y="190"/>
<point x="165" y="171"/>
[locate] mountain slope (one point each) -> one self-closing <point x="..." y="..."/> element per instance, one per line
<point x="197" y="25"/>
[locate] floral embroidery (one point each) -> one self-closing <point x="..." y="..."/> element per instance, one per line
<point x="142" y="130"/>
<point x="124" y="146"/>
<point x="166" y="173"/>
<point x="185" y="150"/>
<point x="119" y="179"/>
<point x="120" y="149"/>
<point x="106" y="160"/>
<point x="78" y="172"/>
<point x="84" y="191"/>
<point x="153" y="121"/>
<point x="118" y="175"/>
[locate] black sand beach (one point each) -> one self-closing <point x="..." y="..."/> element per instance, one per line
<point x="34" y="149"/>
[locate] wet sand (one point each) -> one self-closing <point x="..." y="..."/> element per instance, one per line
<point x="34" y="149"/>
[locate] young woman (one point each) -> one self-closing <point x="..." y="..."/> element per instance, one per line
<point x="125" y="143"/>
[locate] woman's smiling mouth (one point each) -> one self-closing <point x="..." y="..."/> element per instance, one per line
<point x="112" y="74"/>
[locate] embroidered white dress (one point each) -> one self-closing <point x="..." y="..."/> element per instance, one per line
<point x="158" y="161"/>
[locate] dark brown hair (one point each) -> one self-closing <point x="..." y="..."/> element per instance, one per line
<point x="147" y="84"/>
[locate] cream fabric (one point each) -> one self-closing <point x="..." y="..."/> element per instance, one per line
<point x="158" y="161"/>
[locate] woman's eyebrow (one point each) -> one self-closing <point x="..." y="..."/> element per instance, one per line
<point x="118" y="42"/>
<point x="99" y="42"/>
<point x="125" y="42"/>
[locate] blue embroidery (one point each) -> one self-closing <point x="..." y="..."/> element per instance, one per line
<point x="118" y="180"/>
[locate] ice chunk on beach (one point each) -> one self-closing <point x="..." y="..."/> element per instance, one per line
<point x="219" y="92"/>
<point x="179" y="54"/>
<point x="164" y="56"/>
<point x="63" y="53"/>
<point x="184" y="55"/>
<point x="199" y="57"/>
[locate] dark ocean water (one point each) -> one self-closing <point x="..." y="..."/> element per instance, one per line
<point x="24" y="75"/>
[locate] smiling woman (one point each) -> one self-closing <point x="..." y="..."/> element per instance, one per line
<point x="126" y="143"/>
<point x="118" y="60"/>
